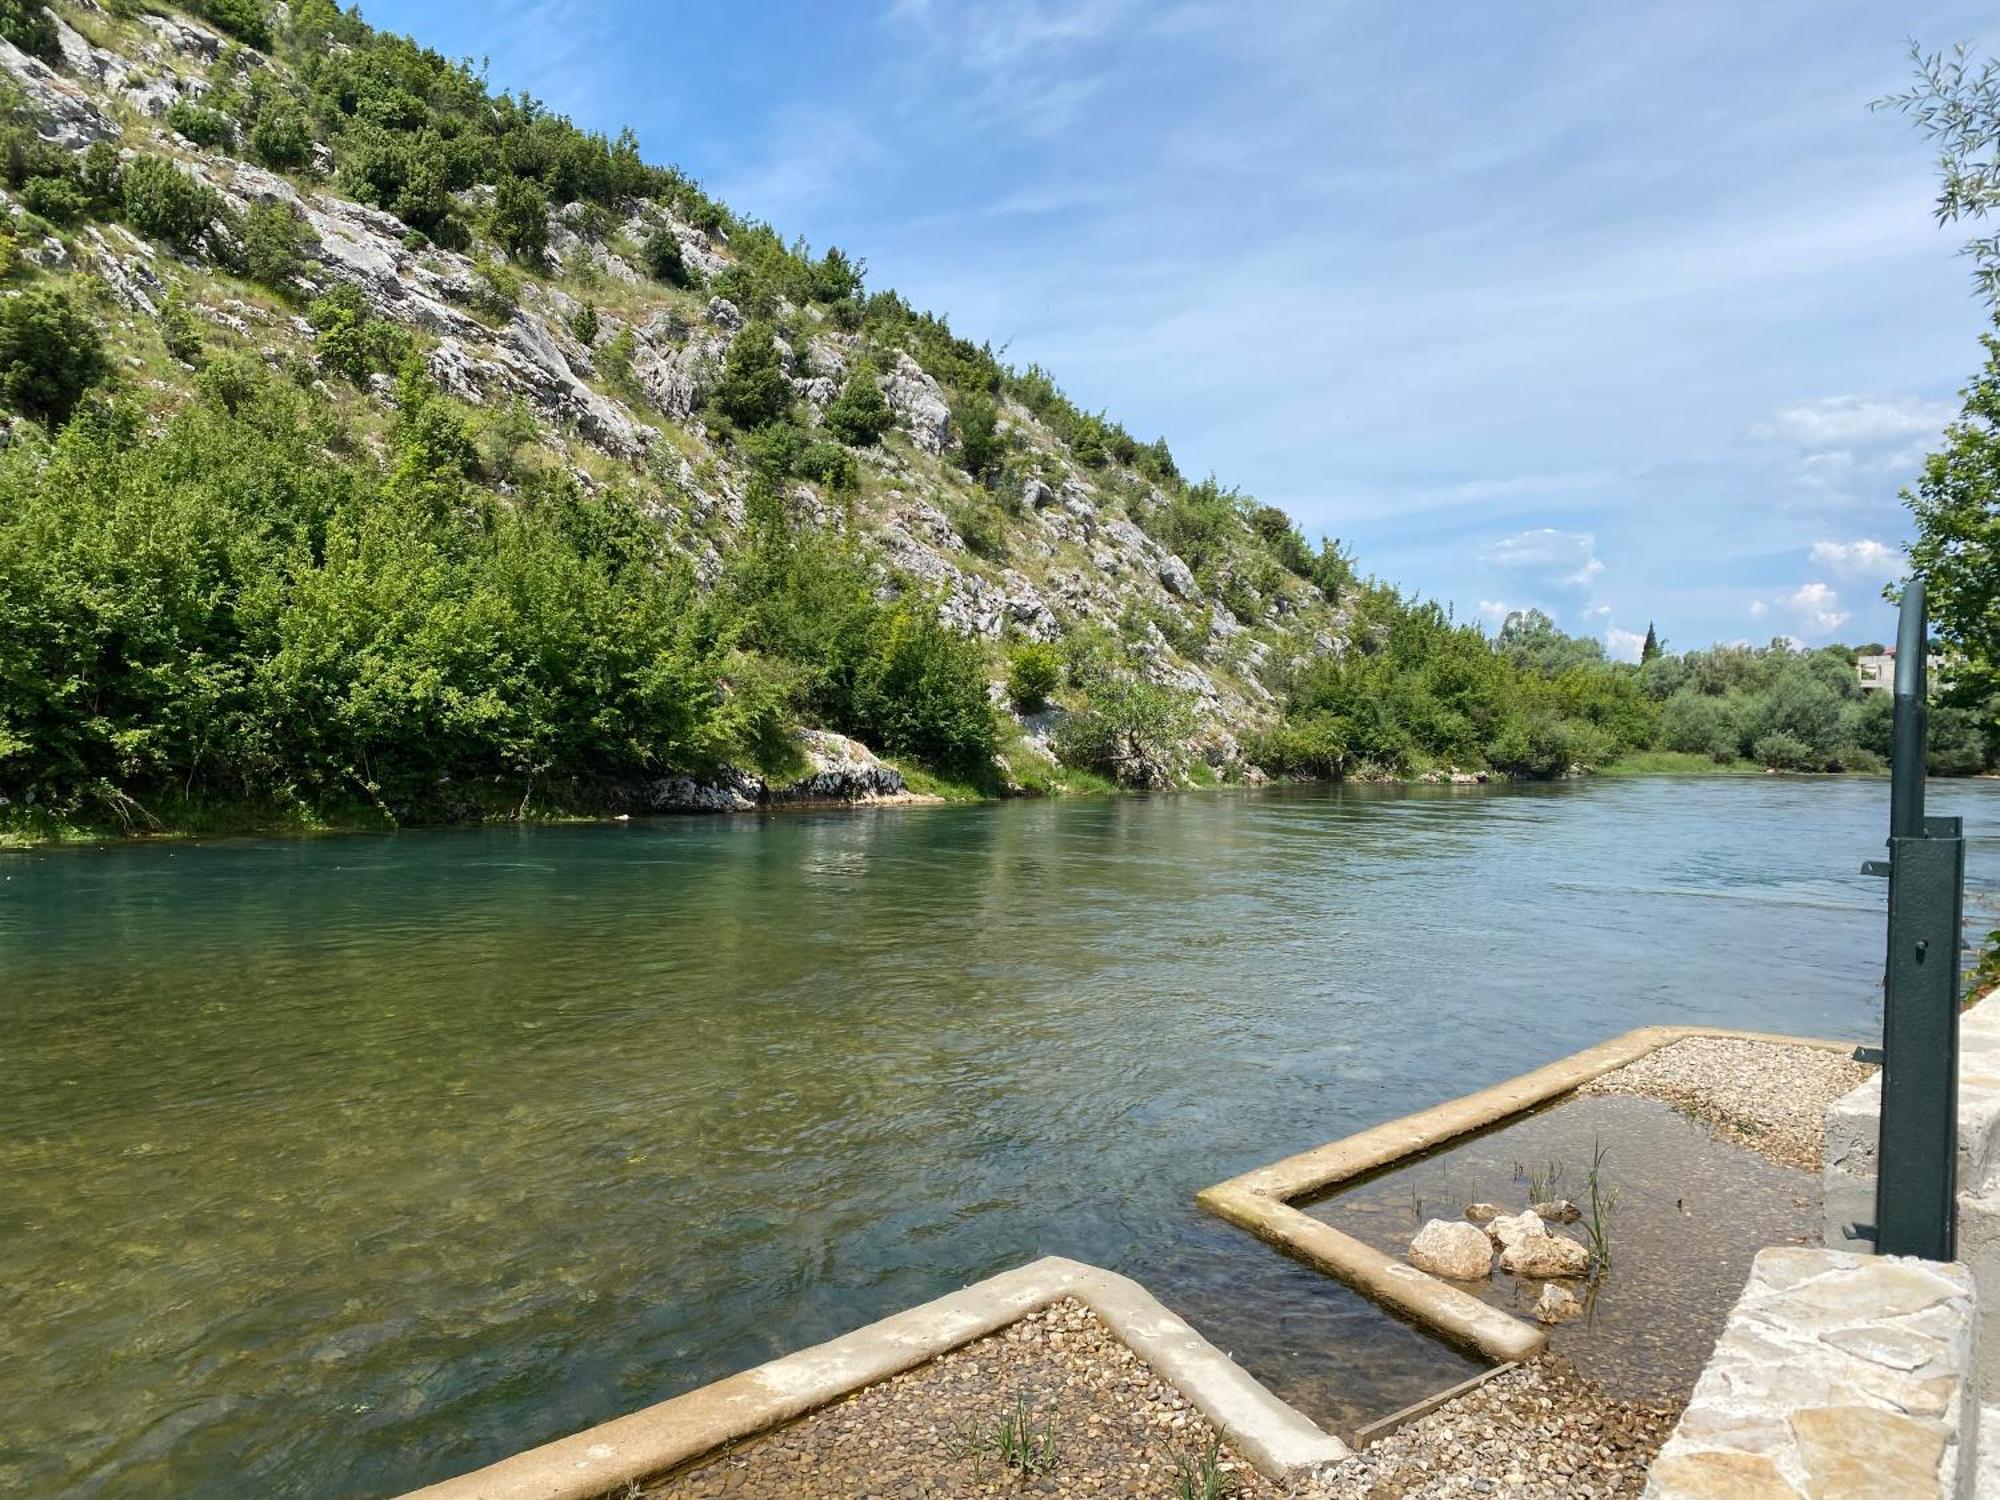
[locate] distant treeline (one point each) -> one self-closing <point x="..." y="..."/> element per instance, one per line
<point x="1418" y="690"/>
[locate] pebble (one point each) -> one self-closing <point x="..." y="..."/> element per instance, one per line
<point x="1766" y="1096"/>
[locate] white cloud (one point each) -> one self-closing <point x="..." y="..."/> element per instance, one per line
<point x="1835" y="420"/>
<point x="1624" y="645"/>
<point x="1565" y="557"/>
<point x="1759" y="609"/>
<point x="1818" y="607"/>
<point x="1865" y="556"/>
<point x="1495" y="611"/>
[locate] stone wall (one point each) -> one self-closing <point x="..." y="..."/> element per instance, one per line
<point x="1853" y="1124"/>
<point x="1837" y="1374"/>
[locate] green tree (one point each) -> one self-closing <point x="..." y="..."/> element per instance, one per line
<point x="29" y="26"/>
<point x="977" y="419"/>
<point x="520" y="219"/>
<point x="163" y="201"/>
<point x="1034" y="672"/>
<point x="664" y="261"/>
<point x="1131" y="729"/>
<point x="50" y="354"/>
<point x="860" y="414"/>
<point x="274" y="241"/>
<point x="1955" y="504"/>
<point x="752" y="388"/>
<point x="1651" y="649"/>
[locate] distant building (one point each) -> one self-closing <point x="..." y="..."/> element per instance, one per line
<point x="1877" y="671"/>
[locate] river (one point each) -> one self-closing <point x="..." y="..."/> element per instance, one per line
<point x="334" y="1166"/>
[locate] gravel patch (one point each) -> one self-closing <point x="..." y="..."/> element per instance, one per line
<point x="1538" y="1432"/>
<point x="1764" y="1095"/>
<point x="1116" y="1428"/>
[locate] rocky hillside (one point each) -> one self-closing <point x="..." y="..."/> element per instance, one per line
<point x="349" y="207"/>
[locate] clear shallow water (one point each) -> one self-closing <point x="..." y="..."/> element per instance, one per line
<point x="333" y="1167"/>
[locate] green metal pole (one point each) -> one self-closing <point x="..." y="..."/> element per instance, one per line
<point x="1916" y="1182"/>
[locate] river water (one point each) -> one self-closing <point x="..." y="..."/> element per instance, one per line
<point x="335" y="1166"/>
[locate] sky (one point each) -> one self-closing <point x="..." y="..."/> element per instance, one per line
<point x="1632" y="313"/>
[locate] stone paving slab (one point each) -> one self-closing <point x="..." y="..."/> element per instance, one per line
<point x="1838" y="1375"/>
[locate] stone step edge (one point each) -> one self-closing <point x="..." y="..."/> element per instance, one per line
<point x="1280" y="1442"/>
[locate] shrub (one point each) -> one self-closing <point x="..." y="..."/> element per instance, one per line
<point x="57" y="199"/>
<point x="50" y="354"/>
<point x="204" y="126"/>
<point x="280" y="138"/>
<point x="29" y="26"/>
<point x="981" y="528"/>
<point x="980" y="450"/>
<point x="752" y="388"/>
<point x="520" y="219"/>
<point x="583" y="324"/>
<point x="246" y="20"/>
<point x="663" y="258"/>
<point x="1034" y="672"/>
<point x="1699" y="724"/>
<point x="102" y="177"/>
<point x="351" y="341"/>
<point x="860" y="414"/>
<point x="166" y="203"/>
<point x="828" y="464"/>
<point x="1312" y="745"/>
<point x="1784" y="752"/>
<point x="922" y="691"/>
<point x="1132" y="730"/>
<point x="274" y="241"/>
<point x="180" y="329"/>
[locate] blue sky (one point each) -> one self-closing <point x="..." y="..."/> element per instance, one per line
<point x="1631" y="312"/>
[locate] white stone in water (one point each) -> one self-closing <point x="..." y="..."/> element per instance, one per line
<point x="1483" y="1213"/>
<point x="1506" y="1229"/>
<point x="1448" y="1248"/>
<point x="1557" y="1304"/>
<point x="1545" y="1255"/>
<point x="1559" y="1211"/>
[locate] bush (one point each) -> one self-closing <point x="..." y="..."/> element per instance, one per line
<point x="166" y="203"/>
<point x="520" y="220"/>
<point x="29" y="26"/>
<point x="583" y="325"/>
<point x="351" y="341"/>
<point x="1034" y="672"/>
<point x="981" y="528"/>
<point x="663" y="258"/>
<point x="102" y="177"/>
<point x="752" y="388"/>
<point x="280" y="138"/>
<point x="859" y="415"/>
<point x="922" y="691"/>
<point x="204" y="126"/>
<point x="1313" y="745"/>
<point x="274" y="241"/>
<point x="980" y="449"/>
<point x="213" y="610"/>
<point x="1699" y="724"/>
<point x="247" y="20"/>
<point x="180" y="329"/>
<point x="1785" y="752"/>
<point x="50" y="354"/>
<point x="828" y="464"/>
<point x="57" y="199"/>
<point x="1132" y="730"/>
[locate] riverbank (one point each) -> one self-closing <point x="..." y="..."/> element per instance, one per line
<point x="510" y="804"/>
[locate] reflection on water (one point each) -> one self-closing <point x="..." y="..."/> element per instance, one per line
<point x="335" y="1166"/>
<point x="1684" y="1215"/>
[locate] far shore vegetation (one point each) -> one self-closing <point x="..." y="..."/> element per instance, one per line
<point x="316" y="591"/>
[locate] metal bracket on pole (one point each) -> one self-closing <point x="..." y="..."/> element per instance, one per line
<point x="1916" y="1183"/>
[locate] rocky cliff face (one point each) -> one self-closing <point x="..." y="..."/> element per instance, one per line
<point x="619" y="394"/>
